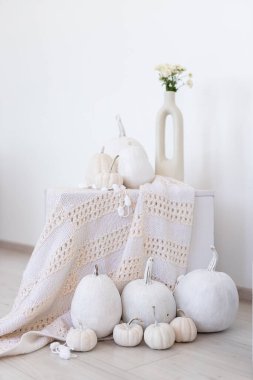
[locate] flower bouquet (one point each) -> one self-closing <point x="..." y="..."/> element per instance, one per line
<point x="174" y="77"/>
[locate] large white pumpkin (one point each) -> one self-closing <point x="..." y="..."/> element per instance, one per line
<point x="210" y="298"/>
<point x="134" y="166"/>
<point x="115" y="146"/>
<point x="139" y="296"/>
<point x="96" y="304"/>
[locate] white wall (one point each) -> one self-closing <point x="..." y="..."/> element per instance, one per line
<point x="66" y="69"/>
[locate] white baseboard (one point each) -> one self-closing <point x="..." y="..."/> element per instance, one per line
<point x="17" y="247"/>
<point x="245" y="294"/>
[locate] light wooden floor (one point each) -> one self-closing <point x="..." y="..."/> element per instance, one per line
<point x="225" y="355"/>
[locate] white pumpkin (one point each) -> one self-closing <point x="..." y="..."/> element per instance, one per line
<point x="210" y="298"/>
<point x="128" y="334"/>
<point x="159" y="336"/>
<point x="184" y="328"/>
<point x="108" y="179"/>
<point x="96" y="304"/>
<point x="134" y="166"/>
<point x="99" y="163"/>
<point x="140" y="295"/>
<point x="115" y="146"/>
<point x="81" y="339"/>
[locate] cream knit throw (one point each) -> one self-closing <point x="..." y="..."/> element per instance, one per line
<point x="83" y="228"/>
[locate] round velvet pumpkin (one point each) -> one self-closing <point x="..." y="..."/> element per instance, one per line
<point x="134" y="166"/>
<point x="210" y="298"/>
<point x="140" y="295"/>
<point x="96" y="304"/>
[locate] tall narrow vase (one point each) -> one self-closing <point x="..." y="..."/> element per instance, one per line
<point x="171" y="167"/>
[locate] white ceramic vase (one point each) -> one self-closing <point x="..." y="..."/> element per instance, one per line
<point x="170" y="167"/>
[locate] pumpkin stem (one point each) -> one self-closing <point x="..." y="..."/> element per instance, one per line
<point x="96" y="270"/>
<point x="113" y="162"/>
<point x="156" y="323"/>
<point x="148" y="271"/>
<point x="102" y="150"/>
<point x="135" y="319"/>
<point x="180" y="313"/>
<point x="213" y="262"/>
<point x="80" y="325"/>
<point x="122" y="131"/>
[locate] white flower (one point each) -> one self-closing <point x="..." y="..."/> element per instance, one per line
<point x="159" y="67"/>
<point x="189" y="83"/>
<point x="166" y="73"/>
<point x="180" y="68"/>
<point x="164" y="70"/>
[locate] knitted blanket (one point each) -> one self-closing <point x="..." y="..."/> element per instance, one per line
<point x="84" y="228"/>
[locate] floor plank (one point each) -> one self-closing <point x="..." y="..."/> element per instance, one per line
<point x="225" y="355"/>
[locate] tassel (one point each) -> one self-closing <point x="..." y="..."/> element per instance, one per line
<point x="61" y="350"/>
<point x="127" y="201"/>
<point x="121" y="211"/>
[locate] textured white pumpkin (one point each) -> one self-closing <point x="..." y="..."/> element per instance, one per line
<point x="134" y="166"/>
<point x="210" y="298"/>
<point x="99" y="163"/>
<point x="107" y="179"/>
<point x="81" y="339"/>
<point x="128" y="334"/>
<point x="115" y="146"/>
<point x="159" y="336"/>
<point x="96" y="304"/>
<point x="139" y="296"/>
<point x="184" y="328"/>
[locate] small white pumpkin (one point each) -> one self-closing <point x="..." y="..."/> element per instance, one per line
<point x="96" y="304"/>
<point x="184" y="328"/>
<point x="159" y="336"/>
<point x="138" y="296"/>
<point x="128" y="334"/>
<point x="210" y="298"/>
<point x="134" y="166"/>
<point x="115" y="146"/>
<point x="108" y="179"/>
<point x="99" y="163"/>
<point x="81" y="339"/>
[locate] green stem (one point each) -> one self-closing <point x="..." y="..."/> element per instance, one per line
<point x="180" y="313"/>
<point x="96" y="270"/>
<point x="134" y="319"/>
<point x="156" y="323"/>
<point x="113" y="162"/>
